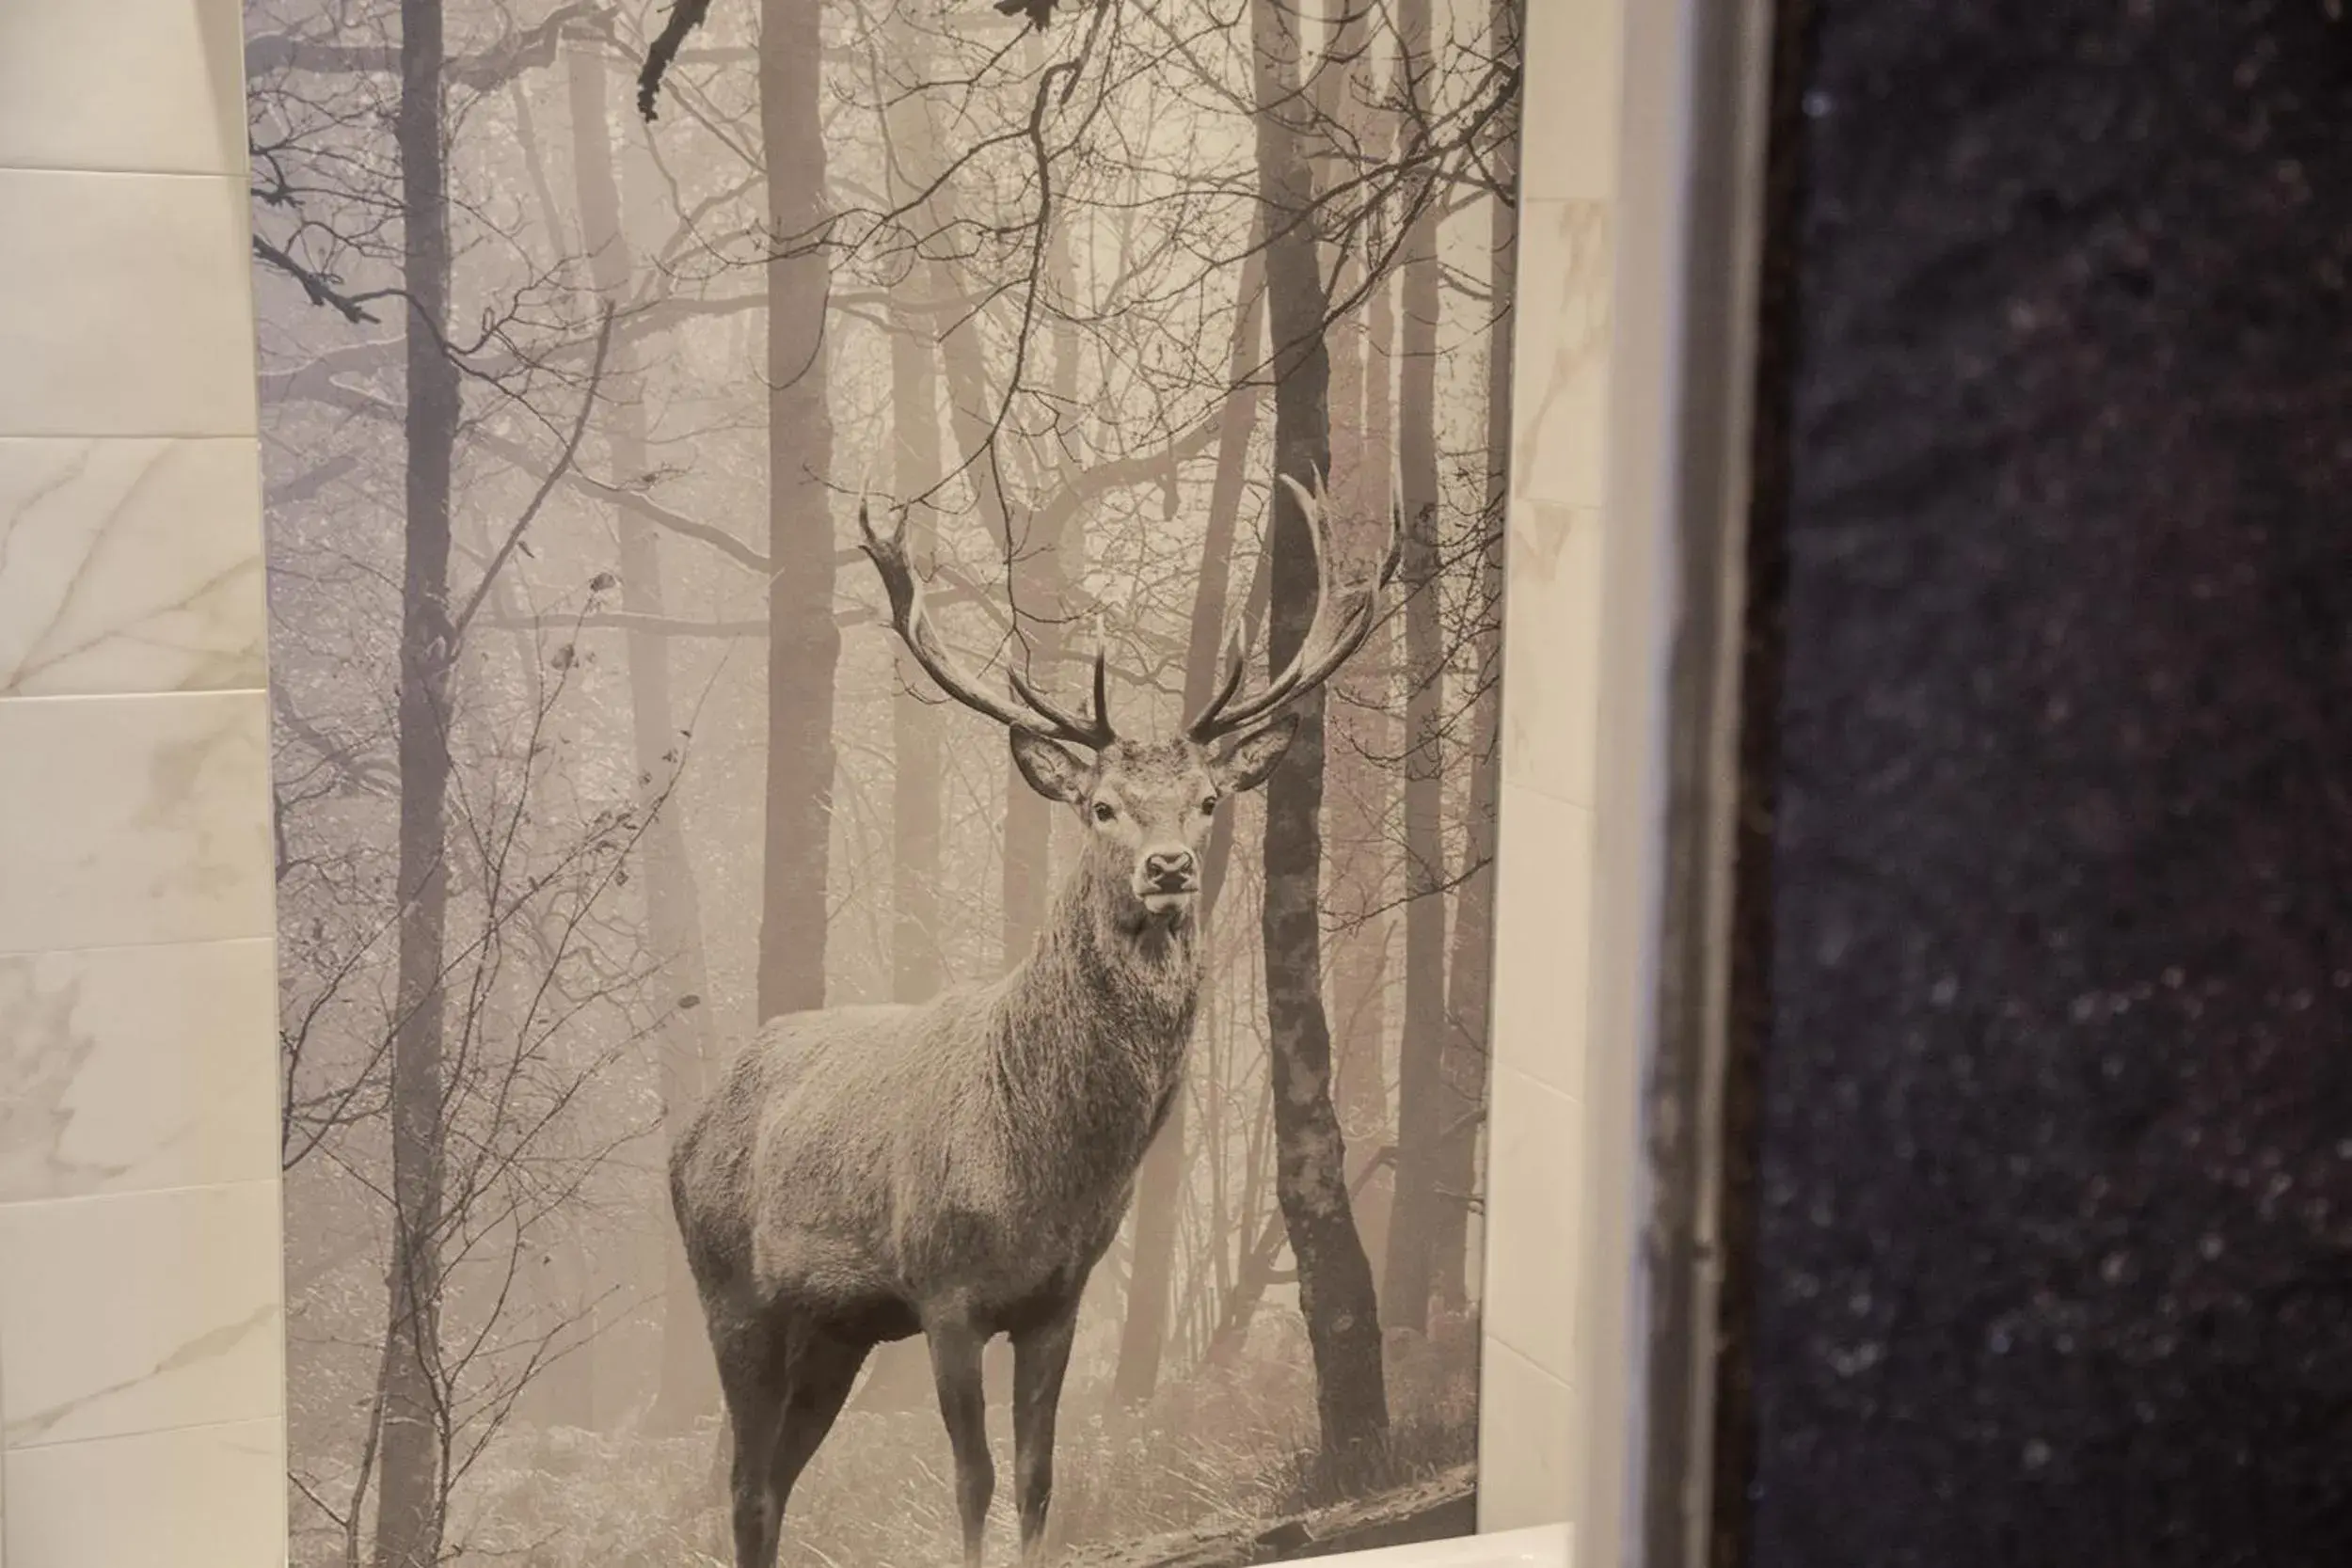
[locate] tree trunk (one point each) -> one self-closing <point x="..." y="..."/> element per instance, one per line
<point x="1038" y="554"/>
<point x="898" y="1378"/>
<point x="409" y="1513"/>
<point x="916" y="970"/>
<point x="1335" y="1289"/>
<point x="1421" y="1110"/>
<point x="1361" y="780"/>
<point x="1160" y="1185"/>
<point x="804" y="642"/>
<point x="1470" y="974"/>
<point x="688" y="1386"/>
<point x="971" y="399"/>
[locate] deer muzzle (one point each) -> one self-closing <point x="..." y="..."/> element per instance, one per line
<point x="1166" y="880"/>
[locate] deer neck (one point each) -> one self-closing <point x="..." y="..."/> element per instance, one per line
<point x="1098" y="1017"/>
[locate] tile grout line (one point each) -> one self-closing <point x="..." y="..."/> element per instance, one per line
<point x="30" y="698"/>
<point x="15" y="1206"/>
<point x="128" y="435"/>
<point x="109" y="172"/>
<point x="64" y="1200"/>
<point x="173" y="1429"/>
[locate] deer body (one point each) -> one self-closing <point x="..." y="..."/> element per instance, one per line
<point x="956" y="1167"/>
<point x="976" y="1148"/>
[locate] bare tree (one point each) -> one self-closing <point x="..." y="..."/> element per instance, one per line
<point x="1362" y="759"/>
<point x="1160" y="1185"/>
<point x="672" y="904"/>
<point x="409" y="1519"/>
<point x="1335" y="1286"/>
<point x="1469" y="969"/>
<point x="919" y="466"/>
<point x="804" y="642"/>
<point x="1421" y="1112"/>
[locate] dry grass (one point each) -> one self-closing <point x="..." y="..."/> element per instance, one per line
<point x="1232" y="1445"/>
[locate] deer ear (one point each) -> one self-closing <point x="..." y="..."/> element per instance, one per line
<point x="1252" y="759"/>
<point x="1052" y="769"/>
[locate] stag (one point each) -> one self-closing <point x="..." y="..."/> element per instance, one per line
<point x="956" y="1167"/>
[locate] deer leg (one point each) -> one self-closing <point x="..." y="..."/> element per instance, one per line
<point x="955" y="1369"/>
<point x="752" y="1374"/>
<point x="822" y="1375"/>
<point x="1039" y="1356"/>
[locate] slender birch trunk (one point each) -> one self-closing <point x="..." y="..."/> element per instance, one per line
<point x="803" y="641"/>
<point x="413" y="1451"/>
<point x="1335" y="1287"/>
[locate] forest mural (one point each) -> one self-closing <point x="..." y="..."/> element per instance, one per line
<point x="750" y="486"/>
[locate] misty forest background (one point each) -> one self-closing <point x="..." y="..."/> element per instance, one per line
<point x="591" y="753"/>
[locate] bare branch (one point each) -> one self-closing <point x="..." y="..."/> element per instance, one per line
<point x="322" y="288"/>
<point x="527" y="50"/>
<point x="546" y="485"/>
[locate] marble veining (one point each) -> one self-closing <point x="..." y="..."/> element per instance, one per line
<point x="200" y="1351"/>
<point x="131" y="1314"/>
<point x="137" y="1069"/>
<point x="129" y="565"/>
<point x="1559" y="413"/>
<point x="133" y="820"/>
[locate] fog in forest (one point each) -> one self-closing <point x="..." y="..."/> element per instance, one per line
<point x="594" y="747"/>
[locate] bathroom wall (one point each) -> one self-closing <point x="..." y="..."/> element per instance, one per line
<point x="140" y="1319"/>
<point x="1531" y="1422"/>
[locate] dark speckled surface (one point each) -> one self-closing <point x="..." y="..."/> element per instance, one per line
<point x="2056" y="1179"/>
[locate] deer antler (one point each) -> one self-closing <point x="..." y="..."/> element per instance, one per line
<point x="1036" y="713"/>
<point x="1341" y="622"/>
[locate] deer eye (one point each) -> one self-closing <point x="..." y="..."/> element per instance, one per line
<point x="1208" y="805"/>
<point x="1105" y="811"/>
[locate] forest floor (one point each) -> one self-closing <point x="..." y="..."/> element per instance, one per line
<point x="1441" y="1506"/>
<point x="1218" y="1472"/>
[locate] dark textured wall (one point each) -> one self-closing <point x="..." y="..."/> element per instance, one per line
<point x="2055" y="1194"/>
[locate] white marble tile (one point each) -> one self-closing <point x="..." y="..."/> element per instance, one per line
<point x="1527" y="1441"/>
<point x="130" y="566"/>
<point x="137" y="1313"/>
<point x="133" y="820"/>
<point x="126" y="305"/>
<point x="153" y="85"/>
<point x="1532" y="1214"/>
<point x="1543" y="937"/>
<point x="210" y="1496"/>
<point x="137" y="1069"/>
<point x="1575" y="58"/>
<point x="1552" y="650"/>
<point x="1559" y="389"/>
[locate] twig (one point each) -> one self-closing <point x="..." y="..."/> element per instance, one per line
<point x="546" y="485"/>
<point x="318" y="285"/>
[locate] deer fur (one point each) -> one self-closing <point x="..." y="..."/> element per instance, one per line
<point x="956" y="1167"/>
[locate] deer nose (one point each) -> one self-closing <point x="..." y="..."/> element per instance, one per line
<point x="1170" y="870"/>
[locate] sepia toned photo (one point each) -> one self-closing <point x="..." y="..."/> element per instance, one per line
<point x="886" y="627"/>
